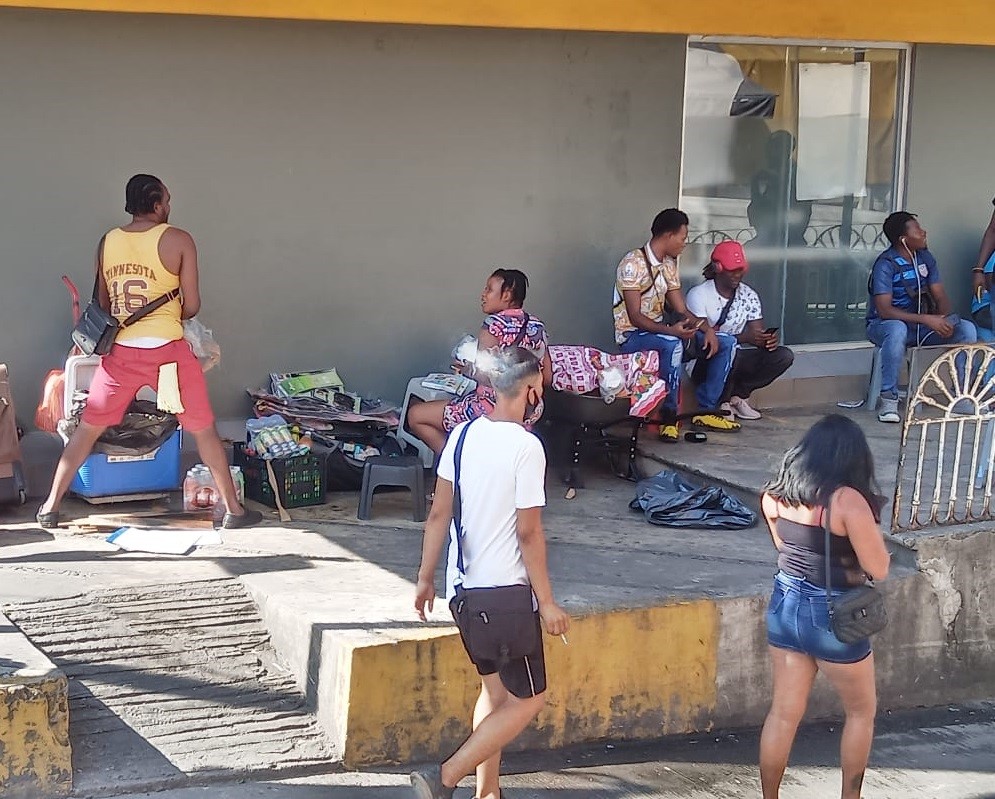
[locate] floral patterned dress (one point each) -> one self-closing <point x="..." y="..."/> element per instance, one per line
<point x="507" y="327"/>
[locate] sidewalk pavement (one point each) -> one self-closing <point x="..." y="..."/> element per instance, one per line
<point x="945" y="752"/>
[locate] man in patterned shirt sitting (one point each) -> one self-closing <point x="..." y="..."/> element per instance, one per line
<point x="650" y="314"/>
<point x="732" y="307"/>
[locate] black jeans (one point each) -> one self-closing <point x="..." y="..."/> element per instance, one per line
<point x="753" y="368"/>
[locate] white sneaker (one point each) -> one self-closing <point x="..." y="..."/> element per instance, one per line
<point x="742" y="409"/>
<point x="888" y="411"/>
<point x="727" y="410"/>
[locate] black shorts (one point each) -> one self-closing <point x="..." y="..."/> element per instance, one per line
<point x="523" y="677"/>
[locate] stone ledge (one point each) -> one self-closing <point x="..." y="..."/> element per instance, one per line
<point x="35" y="754"/>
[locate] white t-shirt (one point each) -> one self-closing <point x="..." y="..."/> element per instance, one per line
<point x="704" y="300"/>
<point x="502" y="469"/>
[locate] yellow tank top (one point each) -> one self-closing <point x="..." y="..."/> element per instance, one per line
<point x="135" y="276"/>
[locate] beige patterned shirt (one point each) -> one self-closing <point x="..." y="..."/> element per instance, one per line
<point x="653" y="279"/>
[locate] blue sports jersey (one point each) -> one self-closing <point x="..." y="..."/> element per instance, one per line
<point x="895" y="274"/>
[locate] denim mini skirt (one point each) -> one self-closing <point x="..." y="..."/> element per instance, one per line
<point x="798" y="619"/>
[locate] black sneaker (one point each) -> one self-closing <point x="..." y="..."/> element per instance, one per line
<point x="249" y="518"/>
<point x="428" y="784"/>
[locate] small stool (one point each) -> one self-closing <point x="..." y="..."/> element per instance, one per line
<point x="874" y="379"/>
<point x="383" y="470"/>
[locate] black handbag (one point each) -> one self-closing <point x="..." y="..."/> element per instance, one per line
<point x="497" y="624"/>
<point x="857" y="614"/>
<point x="96" y="329"/>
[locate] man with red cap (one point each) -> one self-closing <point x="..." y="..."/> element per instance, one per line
<point x="732" y="307"/>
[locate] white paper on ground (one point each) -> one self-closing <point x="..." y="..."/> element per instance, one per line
<point x="162" y="542"/>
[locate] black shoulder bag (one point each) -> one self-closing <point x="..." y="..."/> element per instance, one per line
<point x="857" y="614"/>
<point x="497" y="624"/>
<point x="96" y="329"/>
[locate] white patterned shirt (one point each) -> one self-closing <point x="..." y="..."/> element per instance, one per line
<point x="704" y="300"/>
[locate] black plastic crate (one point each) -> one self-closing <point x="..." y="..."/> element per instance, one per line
<point x="300" y="480"/>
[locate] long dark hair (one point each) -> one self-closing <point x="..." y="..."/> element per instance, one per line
<point x="832" y="454"/>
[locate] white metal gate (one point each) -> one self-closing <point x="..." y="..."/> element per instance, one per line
<point x="945" y="472"/>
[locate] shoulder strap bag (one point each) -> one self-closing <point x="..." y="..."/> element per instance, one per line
<point x="497" y="624"/>
<point x="725" y="311"/>
<point x="857" y="614"/>
<point x="523" y="332"/>
<point x="96" y="329"/>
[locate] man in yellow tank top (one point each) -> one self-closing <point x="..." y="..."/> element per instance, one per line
<point x="138" y="263"/>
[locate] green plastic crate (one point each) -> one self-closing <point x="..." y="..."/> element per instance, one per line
<point x="300" y="480"/>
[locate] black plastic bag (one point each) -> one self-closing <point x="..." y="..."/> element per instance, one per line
<point x="143" y="430"/>
<point x="669" y="500"/>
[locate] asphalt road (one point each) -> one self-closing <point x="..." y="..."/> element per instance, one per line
<point x="944" y="752"/>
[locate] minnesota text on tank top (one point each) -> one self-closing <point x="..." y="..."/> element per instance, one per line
<point x="135" y="275"/>
<point x="803" y="554"/>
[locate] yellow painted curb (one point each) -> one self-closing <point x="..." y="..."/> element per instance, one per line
<point x="35" y="756"/>
<point x="626" y="674"/>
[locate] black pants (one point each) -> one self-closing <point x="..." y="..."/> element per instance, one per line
<point x="753" y="368"/>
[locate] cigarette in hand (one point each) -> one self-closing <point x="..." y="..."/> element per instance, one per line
<point x="565" y="641"/>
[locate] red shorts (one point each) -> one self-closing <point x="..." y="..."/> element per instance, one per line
<point x="125" y="370"/>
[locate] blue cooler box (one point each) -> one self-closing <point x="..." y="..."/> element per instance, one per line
<point x="106" y="476"/>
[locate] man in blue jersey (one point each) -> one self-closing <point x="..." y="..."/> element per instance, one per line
<point x="908" y="305"/>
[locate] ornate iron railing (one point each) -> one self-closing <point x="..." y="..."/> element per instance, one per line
<point x="863" y="236"/>
<point x="945" y="466"/>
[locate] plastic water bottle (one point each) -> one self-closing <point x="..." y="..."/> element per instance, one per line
<point x="239" y="480"/>
<point x="190" y="485"/>
<point x="199" y="491"/>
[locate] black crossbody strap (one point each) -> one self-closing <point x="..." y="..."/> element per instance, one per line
<point x="521" y="333"/>
<point x="458" y="499"/>
<point x="100" y="261"/>
<point x="96" y="284"/>
<point x="829" y="581"/>
<point x="725" y="311"/>
<point x="158" y="302"/>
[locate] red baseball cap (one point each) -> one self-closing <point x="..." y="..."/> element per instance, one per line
<point x="729" y="256"/>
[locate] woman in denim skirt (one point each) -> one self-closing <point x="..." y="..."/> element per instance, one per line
<point x="827" y="477"/>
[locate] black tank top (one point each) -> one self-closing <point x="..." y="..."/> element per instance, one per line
<point x="803" y="554"/>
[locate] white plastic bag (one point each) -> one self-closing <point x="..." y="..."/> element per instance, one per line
<point x="202" y="342"/>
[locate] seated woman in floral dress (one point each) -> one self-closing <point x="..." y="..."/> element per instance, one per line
<point x="505" y="324"/>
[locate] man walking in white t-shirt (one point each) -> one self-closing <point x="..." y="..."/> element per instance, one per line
<point x="732" y="307"/>
<point x="501" y="472"/>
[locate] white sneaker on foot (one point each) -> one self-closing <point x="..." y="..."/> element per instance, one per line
<point x="742" y="409"/>
<point x="888" y="411"/>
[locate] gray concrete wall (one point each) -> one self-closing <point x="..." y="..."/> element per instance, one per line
<point x="951" y="175"/>
<point x="349" y="186"/>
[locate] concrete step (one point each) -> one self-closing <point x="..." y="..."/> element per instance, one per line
<point x="35" y="753"/>
<point x="163" y="690"/>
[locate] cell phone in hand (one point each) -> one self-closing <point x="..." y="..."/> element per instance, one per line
<point x="770" y="331"/>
